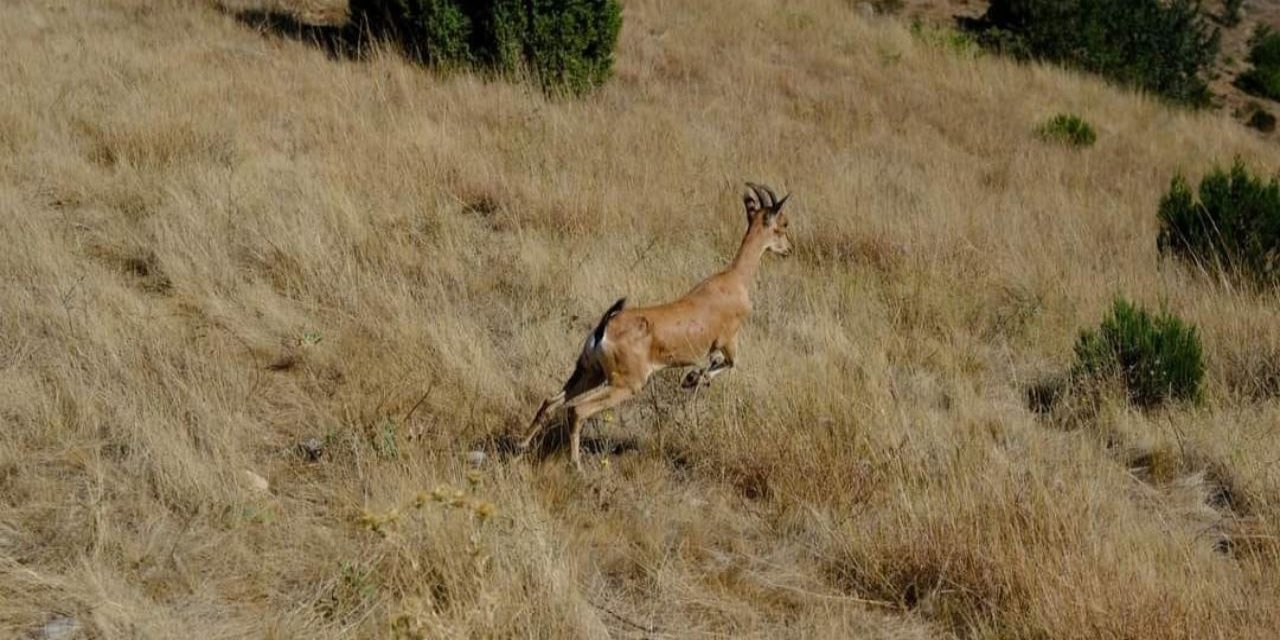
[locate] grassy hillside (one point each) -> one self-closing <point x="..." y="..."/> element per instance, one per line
<point x="217" y="243"/>
<point x="1221" y="76"/>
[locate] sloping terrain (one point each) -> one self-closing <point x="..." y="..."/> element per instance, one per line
<point x="1233" y="49"/>
<point x="261" y="300"/>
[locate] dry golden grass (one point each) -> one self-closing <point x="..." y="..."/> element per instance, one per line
<point x="217" y="243"/>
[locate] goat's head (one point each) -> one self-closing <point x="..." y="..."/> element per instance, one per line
<point x="765" y="216"/>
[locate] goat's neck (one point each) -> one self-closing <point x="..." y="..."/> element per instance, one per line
<point x="744" y="265"/>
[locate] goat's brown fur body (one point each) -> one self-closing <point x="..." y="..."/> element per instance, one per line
<point x="630" y="345"/>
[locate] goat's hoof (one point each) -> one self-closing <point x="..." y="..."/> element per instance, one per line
<point x="696" y="379"/>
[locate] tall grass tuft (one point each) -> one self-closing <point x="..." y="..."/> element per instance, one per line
<point x="1068" y="129"/>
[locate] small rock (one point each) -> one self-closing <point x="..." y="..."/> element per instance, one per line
<point x="1263" y="121"/>
<point x="1224" y="545"/>
<point x="59" y="628"/>
<point x="866" y="9"/>
<point x="255" y="481"/>
<point x="284" y="361"/>
<point x="312" y="449"/>
<point x="476" y="458"/>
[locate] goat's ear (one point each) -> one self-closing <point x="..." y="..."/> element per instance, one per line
<point x="751" y="202"/>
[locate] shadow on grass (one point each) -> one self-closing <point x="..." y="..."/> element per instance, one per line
<point x="555" y="438"/>
<point x="344" y="42"/>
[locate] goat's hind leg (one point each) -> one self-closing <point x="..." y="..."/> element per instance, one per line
<point x="554" y="402"/>
<point x="535" y="426"/>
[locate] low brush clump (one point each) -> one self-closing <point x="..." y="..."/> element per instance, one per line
<point x="1067" y="129"/>
<point x="1156" y="359"/>
<point x="566" y="44"/>
<point x="1263" y="78"/>
<point x="1234" y="225"/>
<point x="959" y="43"/>
<point x="1231" y="10"/>
<point x="1156" y="46"/>
<point x="888" y="7"/>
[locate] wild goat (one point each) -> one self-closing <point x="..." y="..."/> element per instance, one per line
<point x="629" y="345"/>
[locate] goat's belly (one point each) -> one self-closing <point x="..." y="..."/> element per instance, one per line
<point x="691" y="350"/>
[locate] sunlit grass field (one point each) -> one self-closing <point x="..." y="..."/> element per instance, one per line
<point x="218" y="243"/>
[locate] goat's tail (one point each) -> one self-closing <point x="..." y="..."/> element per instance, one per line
<point x="589" y="371"/>
<point x="597" y="336"/>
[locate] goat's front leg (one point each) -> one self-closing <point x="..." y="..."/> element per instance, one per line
<point x="724" y="364"/>
<point x="608" y="397"/>
<point x="721" y="361"/>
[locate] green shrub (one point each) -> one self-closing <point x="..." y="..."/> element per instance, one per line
<point x="1263" y="78"/>
<point x="1161" y="46"/>
<point x="570" y="42"/>
<point x="1234" y="226"/>
<point x="1068" y="129"/>
<point x="567" y="45"/>
<point x="1156" y="359"/>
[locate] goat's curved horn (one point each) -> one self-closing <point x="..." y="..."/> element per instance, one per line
<point x="751" y="197"/>
<point x="763" y="193"/>
<point x="773" y="197"/>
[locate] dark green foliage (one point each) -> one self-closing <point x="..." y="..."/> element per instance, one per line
<point x="1068" y="129"/>
<point x="566" y="44"/>
<point x="1161" y="46"/>
<point x="1264" y="46"/>
<point x="1263" y="78"/>
<point x="1231" y="12"/>
<point x="1155" y="358"/>
<point x="1235" y="225"/>
<point x="373" y="15"/>
<point x="570" y="42"/>
<point x="434" y="31"/>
